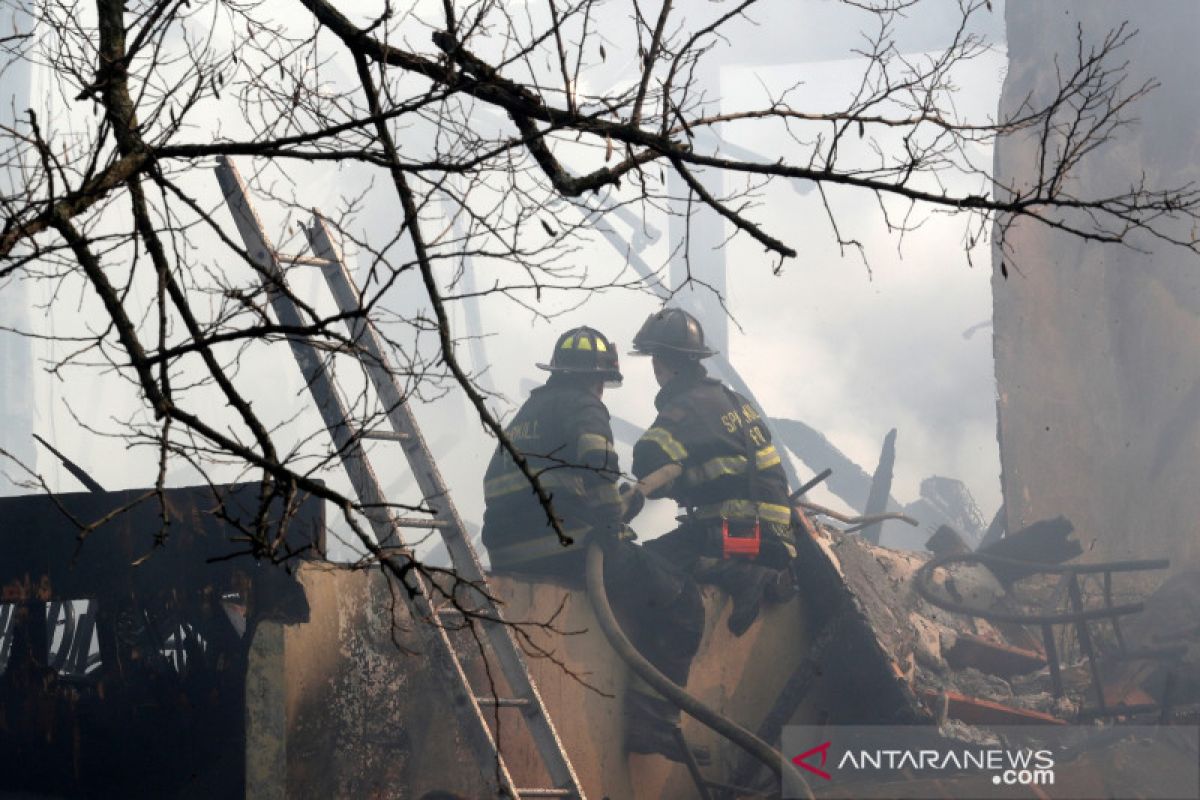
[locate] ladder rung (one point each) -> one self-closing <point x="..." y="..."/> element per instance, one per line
<point x="337" y="348"/>
<point x="385" y="436"/>
<point x="458" y="617"/>
<point x="475" y="613"/>
<point x="453" y="621"/>
<point x="392" y="551"/>
<point x="420" y="522"/>
<point x="502" y="702"/>
<point x="305" y="261"/>
<point x="545" y="793"/>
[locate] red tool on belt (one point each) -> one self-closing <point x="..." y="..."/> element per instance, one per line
<point x="736" y="546"/>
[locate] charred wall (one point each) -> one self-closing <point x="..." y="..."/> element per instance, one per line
<point x="1097" y="375"/>
<point x="123" y="653"/>
<point x="345" y="706"/>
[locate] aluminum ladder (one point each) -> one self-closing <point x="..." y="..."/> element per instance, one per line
<point x="439" y="647"/>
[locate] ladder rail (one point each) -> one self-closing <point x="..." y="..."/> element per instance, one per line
<point x="373" y="356"/>
<point x="439" y="649"/>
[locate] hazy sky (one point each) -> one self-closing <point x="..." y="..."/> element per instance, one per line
<point x="851" y="352"/>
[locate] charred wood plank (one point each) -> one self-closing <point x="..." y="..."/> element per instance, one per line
<point x="881" y="487"/>
<point x="849" y="481"/>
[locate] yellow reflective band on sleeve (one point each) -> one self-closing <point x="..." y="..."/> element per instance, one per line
<point x="721" y="466"/>
<point x="767" y="457"/>
<point x="537" y="547"/>
<point x="592" y="442"/>
<point x="716" y="468"/>
<point x="666" y="442"/>
<point x="746" y="509"/>
<point x="512" y="482"/>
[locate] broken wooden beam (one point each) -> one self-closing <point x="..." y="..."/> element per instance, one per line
<point x="849" y="481"/>
<point x="881" y="487"/>
<point x="994" y="658"/>
<point x="977" y="711"/>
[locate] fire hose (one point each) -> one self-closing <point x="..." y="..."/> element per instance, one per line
<point x="703" y="713"/>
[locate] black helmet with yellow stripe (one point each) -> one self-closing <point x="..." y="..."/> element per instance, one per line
<point x="585" y="351"/>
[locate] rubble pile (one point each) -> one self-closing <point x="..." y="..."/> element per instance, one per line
<point x="964" y="669"/>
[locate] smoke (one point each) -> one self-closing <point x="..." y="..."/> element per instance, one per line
<point x="851" y="351"/>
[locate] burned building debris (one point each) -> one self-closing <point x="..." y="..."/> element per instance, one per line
<point x="989" y="639"/>
<point x="143" y="660"/>
<point x="214" y="676"/>
<point x="948" y="501"/>
<point x="125" y="651"/>
<point x="325" y="693"/>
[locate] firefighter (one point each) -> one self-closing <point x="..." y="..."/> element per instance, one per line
<point x="710" y="450"/>
<point x="564" y="433"/>
<point x="563" y="430"/>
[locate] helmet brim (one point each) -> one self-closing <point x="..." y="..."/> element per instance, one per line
<point x="667" y="350"/>
<point x="610" y="376"/>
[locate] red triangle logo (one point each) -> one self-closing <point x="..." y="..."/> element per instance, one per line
<point x="802" y="760"/>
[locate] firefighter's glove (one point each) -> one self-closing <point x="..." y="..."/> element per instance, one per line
<point x="632" y="501"/>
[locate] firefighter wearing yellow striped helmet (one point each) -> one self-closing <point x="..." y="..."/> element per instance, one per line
<point x="564" y="433"/>
<point x="587" y="353"/>
<point x="710" y="450"/>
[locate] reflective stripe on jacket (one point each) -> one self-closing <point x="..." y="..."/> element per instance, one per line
<point x="731" y="469"/>
<point x="564" y="433"/>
